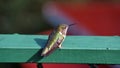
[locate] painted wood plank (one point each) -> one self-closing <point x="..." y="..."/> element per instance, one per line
<point x="75" y="49"/>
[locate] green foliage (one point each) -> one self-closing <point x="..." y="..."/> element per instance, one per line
<point x="21" y="16"/>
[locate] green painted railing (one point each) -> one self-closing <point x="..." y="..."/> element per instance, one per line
<point x="75" y="49"/>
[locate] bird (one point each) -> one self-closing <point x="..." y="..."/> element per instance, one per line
<point x="55" y="39"/>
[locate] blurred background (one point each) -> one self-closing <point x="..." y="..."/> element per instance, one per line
<point x="92" y="18"/>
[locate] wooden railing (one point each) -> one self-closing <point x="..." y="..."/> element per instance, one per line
<point x="75" y="49"/>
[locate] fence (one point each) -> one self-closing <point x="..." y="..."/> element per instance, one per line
<point x="75" y="49"/>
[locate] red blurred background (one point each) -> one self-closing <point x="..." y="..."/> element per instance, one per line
<point x="100" y="18"/>
<point x="93" y="17"/>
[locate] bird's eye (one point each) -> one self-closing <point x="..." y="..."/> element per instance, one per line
<point x="63" y="27"/>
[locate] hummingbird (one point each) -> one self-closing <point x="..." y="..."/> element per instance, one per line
<point x="55" y="39"/>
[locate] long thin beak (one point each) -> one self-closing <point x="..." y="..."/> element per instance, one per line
<point x="72" y="24"/>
